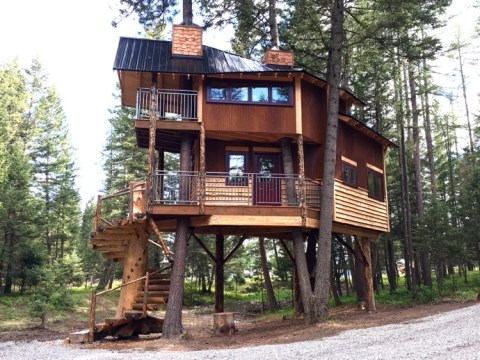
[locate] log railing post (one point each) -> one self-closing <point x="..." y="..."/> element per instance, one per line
<point x="98" y="214"/>
<point x="202" y="182"/>
<point x="130" y="202"/>
<point x="301" y="179"/>
<point x="151" y="144"/>
<point x="91" y="327"/>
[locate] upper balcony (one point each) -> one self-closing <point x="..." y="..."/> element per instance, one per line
<point x="176" y="110"/>
<point x="176" y="105"/>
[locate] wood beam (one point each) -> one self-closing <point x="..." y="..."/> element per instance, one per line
<point x="367" y="274"/>
<point x="204" y="247"/>
<point x="230" y="254"/>
<point x="159" y="237"/>
<point x="219" y="273"/>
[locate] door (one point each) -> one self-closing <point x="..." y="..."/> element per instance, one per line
<point x="267" y="180"/>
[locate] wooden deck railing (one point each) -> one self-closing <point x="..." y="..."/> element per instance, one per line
<point x="133" y="205"/>
<point x="248" y="189"/>
<point x="172" y="104"/>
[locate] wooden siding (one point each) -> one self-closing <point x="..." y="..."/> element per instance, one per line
<point x="314" y="112"/>
<point x="357" y="147"/>
<point x="354" y="207"/>
<point x="249" y="118"/>
<point x="313" y="161"/>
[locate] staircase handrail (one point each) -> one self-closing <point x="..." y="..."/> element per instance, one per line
<point x="93" y="303"/>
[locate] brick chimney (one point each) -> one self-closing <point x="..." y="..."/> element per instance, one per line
<point x="278" y="57"/>
<point x="187" y="40"/>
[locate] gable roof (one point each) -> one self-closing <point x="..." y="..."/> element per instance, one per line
<point x="156" y="56"/>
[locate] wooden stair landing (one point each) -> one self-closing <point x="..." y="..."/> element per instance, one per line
<point x="112" y="240"/>
<point x="120" y="328"/>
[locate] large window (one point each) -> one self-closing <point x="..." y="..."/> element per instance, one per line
<point x="375" y="184"/>
<point x="236" y="163"/>
<point x="261" y="93"/>
<point x="349" y="174"/>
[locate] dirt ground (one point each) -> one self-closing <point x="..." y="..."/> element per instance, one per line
<point x="251" y="331"/>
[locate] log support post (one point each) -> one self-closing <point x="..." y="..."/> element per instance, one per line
<point x="91" y="325"/>
<point x="367" y="274"/>
<point x="224" y="323"/>
<point x="219" y="273"/>
<point x="134" y="267"/>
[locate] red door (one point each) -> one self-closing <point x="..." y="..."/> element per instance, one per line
<point x="267" y="182"/>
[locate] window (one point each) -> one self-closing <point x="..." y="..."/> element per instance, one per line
<point x="218" y="93"/>
<point x="239" y="93"/>
<point x="261" y="93"/>
<point x="236" y="168"/>
<point x="280" y="94"/>
<point x="375" y="185"/>
<point x="349" y="174"/>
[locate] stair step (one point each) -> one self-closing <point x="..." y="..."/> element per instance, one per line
<point x="159" y="281"/>
<point x="150" y="307"/>
<point x="153" y="293"/>
<point x="152" y="299"/>
<point x="157" y="287"/>
<point x="132" y="314"/>
<point x="161" y="276"/>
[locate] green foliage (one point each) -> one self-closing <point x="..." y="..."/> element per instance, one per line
<point x="52" y="292"/>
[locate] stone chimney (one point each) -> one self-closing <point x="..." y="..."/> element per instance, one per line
<point x="187" y="40"/>
<point x="278" y="57"/>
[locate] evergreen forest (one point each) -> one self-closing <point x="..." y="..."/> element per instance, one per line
<point x="393" y="54"/>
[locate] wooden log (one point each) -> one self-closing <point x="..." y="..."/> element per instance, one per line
<point x="219" y="273"/>
<point x="145" y="295"/>
<point x="367" y="274"/>
<point x="159" y="237"/>
<point x="224" y="323"/>
<point x="91" y="328"/>
<point x="135" y="265"/>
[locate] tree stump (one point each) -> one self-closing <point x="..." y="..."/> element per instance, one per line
<point x="224" y="323"/>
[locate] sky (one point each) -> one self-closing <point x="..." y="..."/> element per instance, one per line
<point x="76" y="44"/>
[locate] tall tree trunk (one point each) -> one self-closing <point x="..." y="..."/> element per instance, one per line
<point x="272" y="21"/>
<point x="322" y="275"/>
<point x="272" y="301"/>
<point x="107" y="274"/>
<point x="10" y="258"/>
<point x="464" y="92"/>
<point x="405" y="191"/>
<point x="360" y="279"/>
<point x="187" y="12"/>
<point x="299" y="250"/>
<point x="390" y="264"/>
<point x="172" y="325"/>
<point x="426" y="266"/>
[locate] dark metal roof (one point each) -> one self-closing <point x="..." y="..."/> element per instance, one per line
<point x="156" y="56"/>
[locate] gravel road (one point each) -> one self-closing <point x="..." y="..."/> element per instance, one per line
<point x="451" y="335"/>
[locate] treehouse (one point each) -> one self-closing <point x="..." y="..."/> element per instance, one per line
<point x="250" y="137"/>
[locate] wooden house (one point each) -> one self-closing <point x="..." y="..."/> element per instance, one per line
<point x="254" y="168"/>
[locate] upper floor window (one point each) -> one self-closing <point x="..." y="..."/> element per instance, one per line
<point x="349" y="174"/>
<point x="261" y="93"/>
<point x="236" y="163"/>
<point x="375" y="184"/>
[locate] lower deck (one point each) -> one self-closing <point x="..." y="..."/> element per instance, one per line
<point x="263" y="221"/>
